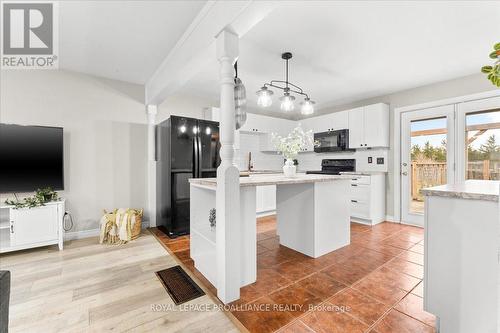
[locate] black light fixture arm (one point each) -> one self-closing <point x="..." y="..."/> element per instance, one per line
<point x="297" y="90"/>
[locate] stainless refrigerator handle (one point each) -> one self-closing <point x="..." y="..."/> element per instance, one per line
<point x="200" y="157"/>
<point x="196" y="166"/>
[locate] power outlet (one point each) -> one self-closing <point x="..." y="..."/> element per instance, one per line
<point x="380" y="160"/>
<point x="370" y="159"/>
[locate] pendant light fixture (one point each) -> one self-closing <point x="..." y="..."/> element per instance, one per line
<point x="240" y="100"/>
<point x="264" y="98"/>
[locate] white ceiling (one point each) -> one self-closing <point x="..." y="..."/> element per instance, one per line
<point x="350" y="51"/>
<point x="121" y="40"/>
<point x="343" y="51"/>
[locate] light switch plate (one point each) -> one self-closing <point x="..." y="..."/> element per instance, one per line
<point x="380" y="160"/>
<point x="370" y="159"/>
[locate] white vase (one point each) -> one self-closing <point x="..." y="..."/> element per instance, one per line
<point x="289" y="169"/>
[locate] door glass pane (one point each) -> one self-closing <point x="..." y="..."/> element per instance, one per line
<point x="428" y="158"/>
<point x="482" y="135"/>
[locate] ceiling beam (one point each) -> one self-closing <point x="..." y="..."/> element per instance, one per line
<point x="196" y="47"/>
<point x="481" y="127"/>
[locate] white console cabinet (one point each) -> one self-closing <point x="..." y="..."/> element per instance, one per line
<point x="31" y="227"/>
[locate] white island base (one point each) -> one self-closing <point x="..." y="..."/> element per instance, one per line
<point x="313" y="217"/>
<point x="462" y="271"/>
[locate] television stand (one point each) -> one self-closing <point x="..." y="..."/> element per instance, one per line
<point x="26" y="228"/>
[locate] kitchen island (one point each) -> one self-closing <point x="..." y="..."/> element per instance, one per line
<point x="461" y="263"/>
<point x="313" y="217"/>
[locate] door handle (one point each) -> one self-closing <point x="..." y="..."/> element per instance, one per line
<point x="200" y="158"/>
<point x="196" y="159"/>
<point x="11" y="227"/>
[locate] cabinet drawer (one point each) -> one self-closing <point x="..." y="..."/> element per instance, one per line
<point x="360" y="180"/>
<point x="359" y="209"/>
<point x="360" y="192"/>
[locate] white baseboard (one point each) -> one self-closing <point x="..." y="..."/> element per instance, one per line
<point x="91" y="233"/>
<point x="390" y="218"/>
<point x="81" y="234"/>
<point x="266" y="213"/>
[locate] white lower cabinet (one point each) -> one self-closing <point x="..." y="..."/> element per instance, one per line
<point x="266" y="199"/>
<point x="368" y="198"/>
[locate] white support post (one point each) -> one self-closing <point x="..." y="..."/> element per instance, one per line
<point x="151" y="111"/>
<point x="228" y="181"/>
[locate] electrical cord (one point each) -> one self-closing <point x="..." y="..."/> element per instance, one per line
<point x="65" y="218"/>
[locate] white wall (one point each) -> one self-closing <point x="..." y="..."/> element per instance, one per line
<point x="182" y="105"/>
<point x="105" y="136"/>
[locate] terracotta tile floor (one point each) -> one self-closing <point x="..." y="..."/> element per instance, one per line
<point x="372" y="285"/>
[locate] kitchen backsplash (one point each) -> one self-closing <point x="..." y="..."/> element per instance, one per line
<point x="307" y="161"/>
<point x="312" y="161"/>
<point x="261" y="161"/>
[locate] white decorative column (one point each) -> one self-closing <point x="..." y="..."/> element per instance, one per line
<point x="228" y="177"/>
<point x="151" y="111"/>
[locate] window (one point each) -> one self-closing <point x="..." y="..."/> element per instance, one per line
<point x="482" y="135"/>
<point x="428" y="158"/>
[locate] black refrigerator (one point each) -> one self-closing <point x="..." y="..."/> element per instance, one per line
<point x="185" y="148"/>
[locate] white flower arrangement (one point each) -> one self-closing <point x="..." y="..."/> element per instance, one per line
<point x="290" y="146"/>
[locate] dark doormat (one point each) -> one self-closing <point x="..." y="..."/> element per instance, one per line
<point x="179" y="285"/>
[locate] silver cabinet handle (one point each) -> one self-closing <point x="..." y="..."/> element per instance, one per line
<point x="354" y="184"/>
<point x="11" y="227"/>
<point x="404" y="173"/>
<point x="354" y="200"/>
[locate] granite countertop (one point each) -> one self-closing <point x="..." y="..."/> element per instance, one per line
<point x="363" y="173"/>
<point x="486" y="190"/>
<point x="273" y="179"/>
<point x="256" y="172"/>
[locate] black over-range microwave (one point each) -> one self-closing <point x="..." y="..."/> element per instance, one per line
<point x="332" y="141"/>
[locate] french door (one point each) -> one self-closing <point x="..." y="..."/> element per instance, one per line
<point x="427" y="157"/>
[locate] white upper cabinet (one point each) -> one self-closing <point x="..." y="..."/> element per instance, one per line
<point x="356" y="128"/>
<point x="254" y="124"/>
<point x="332" y="122"/>
<point x="369" y="126"/>
<point x="265" y="126"/>
<point x="377" y="125"/>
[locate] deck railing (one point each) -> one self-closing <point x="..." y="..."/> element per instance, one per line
<point x="434" y="173"/>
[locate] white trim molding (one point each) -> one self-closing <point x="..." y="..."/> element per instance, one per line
<point x="81" y="234"/>
<point x="73" y="235"/>
<point x="397" y="135"/>
<point x="390" y="218"/>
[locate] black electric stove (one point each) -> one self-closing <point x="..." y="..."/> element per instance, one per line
<point x="335" y="166"/>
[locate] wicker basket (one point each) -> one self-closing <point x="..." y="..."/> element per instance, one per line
<point x="136" y="228"/>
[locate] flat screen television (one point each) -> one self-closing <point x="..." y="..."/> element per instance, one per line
<point x="31" y="157"/>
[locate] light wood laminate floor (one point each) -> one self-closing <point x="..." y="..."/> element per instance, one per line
<point x="89" y="287"/>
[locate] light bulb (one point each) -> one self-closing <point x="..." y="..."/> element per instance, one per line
<point x="208" y="131"/>
<point x="264" y="97"/>
<point x="307" y="107"/>
<point x="182" y="128"/>
<point x="287" y="102"/>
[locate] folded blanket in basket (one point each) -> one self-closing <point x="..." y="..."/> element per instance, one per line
<point x="117" y="227"/>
